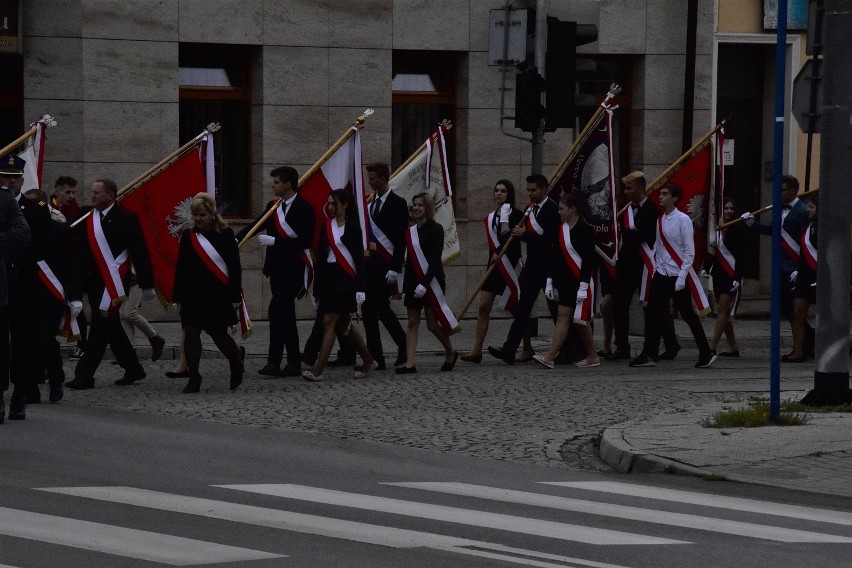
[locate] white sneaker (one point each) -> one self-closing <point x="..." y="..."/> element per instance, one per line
<point x="309" y="376"/>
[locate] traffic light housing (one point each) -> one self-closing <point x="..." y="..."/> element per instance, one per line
<point x="564" y="69"/>
<point x="529" y="111"/>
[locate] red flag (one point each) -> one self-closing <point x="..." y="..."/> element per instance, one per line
<point x="163" y="207"/>
<point x="591" y="173"/>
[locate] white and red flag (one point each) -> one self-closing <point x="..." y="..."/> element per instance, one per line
<point x="33" y="154"/>
<point x="427" y="171"/>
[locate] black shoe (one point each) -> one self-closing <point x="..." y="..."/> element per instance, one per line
<point x="193" y="386"/>
<point x="56" y="392"/>
<point x="236" y="378"/>
<point x="17" y="409"/>
<point x="242" y="354"/>
<point x="498" y="353"/>
<point x="270" y="370"/>
<point x="80" y="384"/>
<point x="306" y="360"/>
<point x="448" y="365"/>
<point x="618" y="355"/>
<point x="33" y="396"/>
<point x="670" y="353"/>
<point x="290" y="371"/>
<point x="730" y="353"/>
<point x="472" y="358"/>
<point x="705" y="360"/>
<point x="401" y="358"/>
<point x="157" y="344"/>
<point x="405" y="370"/>
<point x="131" y="377"/>
<point x="788" y="358"/>
<point x="177" y="374"/>
<point x="642" y="361"/>
<point x="342" y="362"/>
<point x="76" y="352"/>
<point x="2" y="409"/>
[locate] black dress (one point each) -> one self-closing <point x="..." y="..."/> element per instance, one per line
<point x="205" y="301"/>
<point x="735" y="241"/>
<point x="431" y="236"/>
<point x="495" y="283"/>
<point x="333" y="286"/>
<point x="564" y="281"/>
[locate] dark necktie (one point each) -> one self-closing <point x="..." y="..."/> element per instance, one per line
<point x="535" y="210"/>
<point x="377" y="205"/>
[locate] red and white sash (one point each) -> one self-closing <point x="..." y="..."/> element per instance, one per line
<point x="582" y="311"/>
<point x="629" y="219"/>
<point x="724" y="257"/>
<point x="790" y="246"/>
<point x="285" y="231"/>
<point x="341" y="254"/>
<point x="214" y="262"/>
<point x="646" y="253"/>
<point x="509" y="299"/>
<point x="434" y="294"/>
<point x="696" y="291"/>
<point x="809" y="249"/>
<point x="68" y="326"/>
<point x="532" y="223"/>
<point x="112" y="268"/>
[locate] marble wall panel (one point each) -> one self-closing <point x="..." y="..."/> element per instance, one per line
<point x="662" y="136"/>
<point x="359" y="77"/>
<point x="703" y="81"/>
<point x="484" y="143"/>
<point x="295" y="75"/>
<point x="53" y="68"/>
<point x="128" y="131"/>
<point x="120" y="172"/>
<point x="480" y="14"/>
<point x="253" y="282"/>
<point x="151" y="20"/>
<point x="130" y="70"/>
<point x="664" y="76"/>
<point x="456" y="293"/>
<point x="297" y="23"/>
<point x="622" y="27"/>
<point x="65" y="140"/>
<point x="706" y="27"/>
<point x="52" y="18"/>
<point x="375" y="136"/>
<point x="431" y="24"/>
<point x="226" y="21"/>
<point x="365" y="24"/>
<point x="665" y="28"/>
<point x="481" y="83"/>
<point x="294" y="134"/>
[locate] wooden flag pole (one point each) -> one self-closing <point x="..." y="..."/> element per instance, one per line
<point x="670" y="171"/>
<point x="447" y="124"/>
<point x="47" y="119"/>
<point x="156" y="169"/>
<point x="317" y="165"/>
<point x="763" y="210"/>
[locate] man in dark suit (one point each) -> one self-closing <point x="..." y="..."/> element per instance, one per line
<point x="794" y="221"/>
<point x="389" y="221"/>
<point x="539" y="233"/>
<point x="289" y="232"/>
<point x="111" y="240"/>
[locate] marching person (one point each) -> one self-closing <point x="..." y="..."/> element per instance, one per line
<point x="388" y="215"/>
<point x="539" y="233"/>
<point x="725" y="267"/>
<point x="131" y="319"/>
<point x="794" y="220"/>
<point x="64" y="200"/>
<point x="340" y="282"/>
<point x="674" y="278"/>
<point x="288" y="266"/>
<point x="111" y="241"/>
<point x="208" y="288"/>
<point x="804" y="280"/>
<point x="424" y="284"/>
<point x="503" y="282"/>
<point x="571" y="284"/>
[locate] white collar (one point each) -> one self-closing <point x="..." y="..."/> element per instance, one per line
<point x="107" y="210"/>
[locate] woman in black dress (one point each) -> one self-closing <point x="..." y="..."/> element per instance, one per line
<point x="340" y="282"/>
<point x="804" y="294"/>
<point x="415" y="286"/>
<point x="208" y="288"/>
<point x="498" y="227"/>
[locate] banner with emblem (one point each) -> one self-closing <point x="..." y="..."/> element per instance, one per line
<point x="426" y="170"/>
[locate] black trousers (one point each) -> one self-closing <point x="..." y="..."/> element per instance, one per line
<point x="106" y="330"/>
<point x="376" y="308"/>
<point x="532" y="282"/>
<point x="662" y="293"/>
<point x="787" y="295"/>
<point x="628" y="281"/>
<point x="40" y="352"/>
<point x="5" y="350"/>
<point x="283" y="332"/>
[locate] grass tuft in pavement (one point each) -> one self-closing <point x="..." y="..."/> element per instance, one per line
<point x="756" y="414"/>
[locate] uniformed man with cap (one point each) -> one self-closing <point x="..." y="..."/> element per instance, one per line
<point x="12" y="174"/>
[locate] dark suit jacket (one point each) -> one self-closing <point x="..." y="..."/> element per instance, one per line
<point x="393" y="221"/>
<point x="53" y="243"/>
<point x="795" y="222"/>
<point x="283" y="265"/>
<point x="646" y="232"/>
<point x="14" y="235"/>
<point x="122" y="232"/>
<point x="540" y="247"/>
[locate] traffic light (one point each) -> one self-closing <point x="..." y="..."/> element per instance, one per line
<point x="529" y="111"/>
<point x="564" y="69"/>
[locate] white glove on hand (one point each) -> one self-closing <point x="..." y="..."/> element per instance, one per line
<point x="548" y="290"/>
<point x="420" y="291"/>
<point x="735" y="285"/>
<point x="793" y="276"/>
<point x="680" y="284"/>
<point x="314" y="300"/>
<point x="391" y="277"/>
<point x="748" y="218"/>
<point x="505" y="211"/>
<point x="236" y="305"/>
<point x="360" y="297"/>
<point x="148" y="294"/>
<point x="265" y="240"/>
<point x="705" y="274"/>
<point x="582" y="292"/>
<point x="176" y="307"/>
<point x="76" y="307"/>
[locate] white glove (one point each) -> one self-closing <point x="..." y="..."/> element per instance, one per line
<point x="265" y="240"/>
<point x="582" y="292"/>
<point x="148" y="294"/>
<point x="505" y="211"/>
<point x="735" y="285"/>
<point x="420" y="291"/>
<point x="236" y="305"/>
<point x="548" y="290"/>
<point x="391" y="277"/>
<point x="76" y="307"/>
<point x="793" y="276"/>
<point x="680" y="284"/>
<point x="748" y="218"/>
<point x="177" y="307"/>
<point x="314" y="300"/>
<point x="359" y="298"/>
<point x="705" y="274"/>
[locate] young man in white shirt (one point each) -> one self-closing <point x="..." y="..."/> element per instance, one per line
<point x="673" y="256"/>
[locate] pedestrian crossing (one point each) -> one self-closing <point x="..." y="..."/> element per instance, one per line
<point x="405" y="515"/>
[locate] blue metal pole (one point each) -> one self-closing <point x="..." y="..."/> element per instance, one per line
<point x="777" y="172"/>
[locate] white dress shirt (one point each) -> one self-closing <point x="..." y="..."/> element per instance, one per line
<point x="677" y="227"/>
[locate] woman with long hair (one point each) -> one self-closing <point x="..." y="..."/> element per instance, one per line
<point x="424" y="283"/>
<point x="340" y="282"/>
<point x="804" y="279"/>
<point x="208" y="288"/>
<point x="726" y="269"/>
<point x="503" y="281"/>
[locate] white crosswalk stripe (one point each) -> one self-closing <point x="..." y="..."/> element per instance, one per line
<point x="725" y="526"/>
<point x="708" y="500"/>
<point x="99" y="537"/>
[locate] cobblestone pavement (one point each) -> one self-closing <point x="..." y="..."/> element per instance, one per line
<point x="522" y="412"/>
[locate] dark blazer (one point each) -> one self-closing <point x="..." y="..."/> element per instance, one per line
<point x="330" y="281"/>
<point x="646" y="232"/>
<point x="14" y="235"/>
<point x="122" y="232"/>
<point x="540" y="247"/>
<point x="431" y="236"/>
<point x="52" y="242"/>
<point x="583" y="240"/>
<point x="795" y="223"/>
<point x="282" y="264"/>
<point x="393" y="221"/>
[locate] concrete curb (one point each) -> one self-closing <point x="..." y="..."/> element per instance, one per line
<point x="624" y="458"/>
